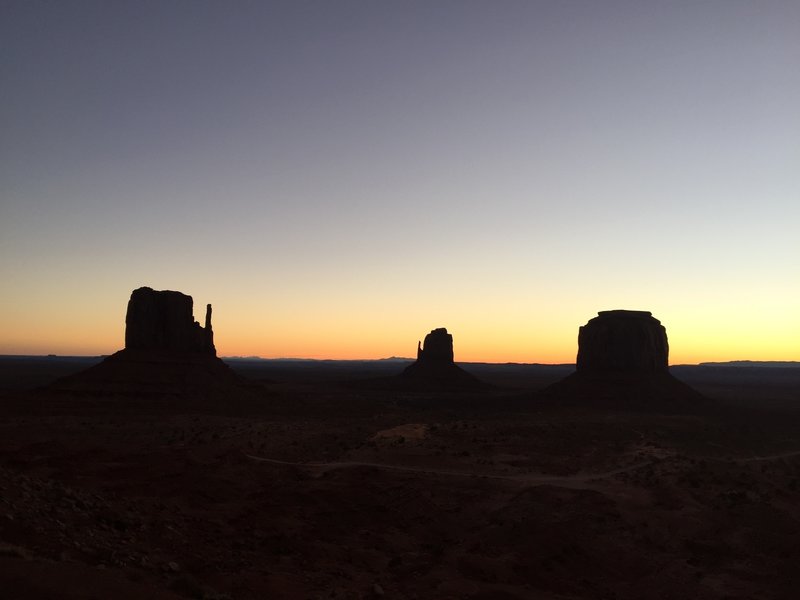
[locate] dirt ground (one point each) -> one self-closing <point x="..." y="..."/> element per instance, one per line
<point x="321" y="491"/>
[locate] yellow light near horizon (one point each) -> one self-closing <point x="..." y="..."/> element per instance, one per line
<point x="526" y="329"/>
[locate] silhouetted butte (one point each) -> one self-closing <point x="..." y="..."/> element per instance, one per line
<point x="435" y="364"/>
<point x="623" y="361"/>
<point x="623" y="341"/>
<point x="163" y="321"/>
<point x="167" y="353"/>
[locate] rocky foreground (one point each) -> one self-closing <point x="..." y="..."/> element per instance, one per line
<point x="324" y="492"/>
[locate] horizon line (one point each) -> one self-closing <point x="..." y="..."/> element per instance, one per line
<point x="409" y="359"/>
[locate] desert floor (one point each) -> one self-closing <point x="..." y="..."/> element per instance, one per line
<point x="311" y="489"/>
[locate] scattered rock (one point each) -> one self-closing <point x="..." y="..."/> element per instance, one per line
<point x="14" y="551"/>
<point x="409" y="431"/>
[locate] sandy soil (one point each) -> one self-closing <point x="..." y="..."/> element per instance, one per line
<point x="320" y="491"/>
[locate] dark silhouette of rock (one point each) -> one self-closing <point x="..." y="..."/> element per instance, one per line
<point x="623" y="340"/>
<point x="623" y="364"/>
<point x="167" y="354"/>
<point x="438" y="347"/>
<point x="435" y="366"/>
<point x="163" y="320"/>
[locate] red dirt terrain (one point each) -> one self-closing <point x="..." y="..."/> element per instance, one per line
<point x="316" y="490"/>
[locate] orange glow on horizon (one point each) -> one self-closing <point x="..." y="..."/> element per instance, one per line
<point x="464" y="352"/>
<point x="333" y="329"/>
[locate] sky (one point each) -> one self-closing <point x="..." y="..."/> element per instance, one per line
<point x="340" y="177"/>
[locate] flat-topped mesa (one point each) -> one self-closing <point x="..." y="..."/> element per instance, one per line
<point x="623" y="341"/>
<point x="438" y="347"/>
<point x="163" y="321"/>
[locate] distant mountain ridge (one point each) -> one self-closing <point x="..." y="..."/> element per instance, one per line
<point x="317" y="360"/>
<point x="753" y="363"/>
<point x="98" y="357"/>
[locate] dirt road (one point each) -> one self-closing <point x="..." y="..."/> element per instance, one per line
<point x="578" y="480"/>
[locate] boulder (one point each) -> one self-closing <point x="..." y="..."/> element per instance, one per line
<point x="163" y="321"/>
<point x="623" y="341"/>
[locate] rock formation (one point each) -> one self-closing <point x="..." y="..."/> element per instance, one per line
<point x="435" y="366"/>
<point x="623" y="340"/>
<point x="438" y="347"/>
<point x="163" y="320"/>
<point x="623" y="365"/>
<point x="167" y="354"/>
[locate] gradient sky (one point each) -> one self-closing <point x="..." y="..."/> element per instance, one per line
<point x="338" y="178"/>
